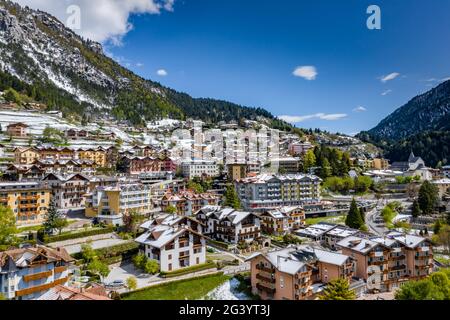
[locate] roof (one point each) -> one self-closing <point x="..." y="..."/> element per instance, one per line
<point x="358" y="244"/>
<point x="232" y="215"/>
<point x="60" y="292"/>
<point x="25" y="257"/>
<point x="408" y="240"/>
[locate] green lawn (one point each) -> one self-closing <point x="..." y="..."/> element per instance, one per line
<point x="336" y="219"/>
<point x="191" y="289"/>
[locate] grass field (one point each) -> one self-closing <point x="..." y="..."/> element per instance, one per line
<point x="191" y="289"/>
<point x="337" y="219"/>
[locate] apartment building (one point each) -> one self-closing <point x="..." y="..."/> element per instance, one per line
<point x="28" y="273"/>
<point x="97" y="156"/>
<point x="269" y="191"/>
<point x="28" y="200"/>
<point x="386" y="262"/>
<point x="56" y="153"/>
<point x="299" y="148"/>
<point x="297" y="273"/>
<point x="23" y="172"/>
<point x="286" y="165"/>
<point x="68" y="191"/>
<point x="282" y="221"/>
<point x="187" y="201"/>
<point x="137" y="165"/>
<point x="26" y="155"/>
<point x="175" y="242"/>
<point x="109" y="204"/>
<point x="446" y="171"/>
<point x="18" y="130"/>
<point x="67" y="166"/>
<point x="199" y="168"/>
<point x="229" y="225"/>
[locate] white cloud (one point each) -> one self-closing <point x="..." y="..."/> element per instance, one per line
<point x="321" y="116"/>
<point x="389" y="77"/>
<point x="385" y="93"/>
<point x="306" y="72"/>
<point x="102" y="20"/>
<point x="162" y="73"/>
<point x="359" y="109"/>
<point x="139" y="65"/>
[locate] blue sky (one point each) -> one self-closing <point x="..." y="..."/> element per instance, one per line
<point x="246" y="51"/>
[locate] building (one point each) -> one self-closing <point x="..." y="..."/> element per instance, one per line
<point x="28" y="273"/>
<point x="297" y="273"/>
<point x="137" y="165"/>
<point x="109" y="204"/>
<point x="380" y="164"/>
<point x="268" y="191"/>
<point x="28" y="200"/>
<point x="76" y="134"/>
<point x="199" y="168"/>
<point x="60" y="292"/>
<point x="386" y="262"/>
<point x="97" y="156"/>
<point x="282" y="221"/>
<point x="174" y="241"/>
<point x="26" y="155"/>
<point x="187" y="201"/>
<point x="70" y="166"/>
<point x="24" y="172"/>
<point x="54" y="154"/>
<point x="316" y="232"/>
<point x="446" y="172"/>
<point x="412" y="164"/>
<point x="229" y="225"/>
<point x="300" y="148"/>
<point x="68" y="191"/>
<point x="18" y="130"/>
<point x="443" y="186"/>
<point x="286" y="165"/>
<point x="236" y="171"/>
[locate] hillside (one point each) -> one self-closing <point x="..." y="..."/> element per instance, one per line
<point x="422" y="125"/>
<point x="46" y="62"/>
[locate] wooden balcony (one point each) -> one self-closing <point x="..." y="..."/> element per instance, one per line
<point x="262" y="268"/>
<point x="396" y="268"/>
<point x="266" y="288"/>
<point x="261" y="277"/>
<point x="377" y="263"/>
<point x="37" y="276"/>
<point x="44" y="287"/>
<point x="394" y="258"/>
<point x="60" y="269"/>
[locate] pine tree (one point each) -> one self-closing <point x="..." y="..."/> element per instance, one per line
<point x="354" y="219"/>
<point x="53" y="219"/>
<point x="326" y="169"/>
<point x="428" y="197"/>
<point x="231" y="198"/>
<point x="415" y="209"/>
<point x="338" y="289"/>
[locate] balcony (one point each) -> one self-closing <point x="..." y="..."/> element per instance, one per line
<point x="263" y="268"/>
<point x="394" y="258"/>
<point x="37" y="276"/>
<point x="396" y="268"/>
<point x="264" y="278"/>
<point x="60" y="269"/>
<point x="266" y="288"/>
<point x="44" y="287"/>
<point x="184" y="255"/>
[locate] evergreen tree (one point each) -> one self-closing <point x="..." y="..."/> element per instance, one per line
<point x="354" y="219"/>
<point x="415" y="209"/>
<point x="338" y="289"/>
<point x="428" y="197"/>
<point x="325" y="169"/>
<point x="231" y="198"/>
<point x="53" y="219"/>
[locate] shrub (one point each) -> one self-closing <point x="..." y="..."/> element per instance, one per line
<point x="179" y="272"/>
<point x="76" y="235"/>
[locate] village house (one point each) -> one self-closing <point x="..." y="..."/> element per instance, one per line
<point x="187" y="201"/>
<point x="94" y="292"/>
<point x="229" y="225"/>
<point x="174" y="241"/>
<point x="28" y="273"/>
<point x="283" y="220"/>
<point x="26" y="155"/>
<point x="17" y="130"/>
<point x="297" y="272"/>
<point x="24" y="172"/>
<point x="199" y="168"/>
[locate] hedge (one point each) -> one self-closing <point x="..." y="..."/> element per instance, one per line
<point x="76" y="235"/>
<point x="180" y="272"/>
<point x="219" y="244"/>
<point x="126" y="294"/>
<point x="124" y="250"/>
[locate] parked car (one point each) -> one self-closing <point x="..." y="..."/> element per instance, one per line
<point x="116" y="284"/>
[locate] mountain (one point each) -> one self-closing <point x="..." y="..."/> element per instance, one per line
<point x="46" y="62"/>
<point x="422" y="125"/>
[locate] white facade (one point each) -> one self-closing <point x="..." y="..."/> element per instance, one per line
<point x="192" y="169"/>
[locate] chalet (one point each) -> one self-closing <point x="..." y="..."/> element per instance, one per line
<point x="68" y="191"/>
<point x="187" y="201"/>
<point x="17" y="130"/>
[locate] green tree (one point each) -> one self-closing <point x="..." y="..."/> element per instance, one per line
<point x="140" y="260"/>
<point x="88" y="254"/>
<point x="231" y="198"/>
<point x="309" y="161"/>
<point x="151" y="266"/>
<point x="415" y="209"/>
<point x="325" y="170"/>
<point x="171" y="209"/>
<point x="131" y="283"/>
<point x="7" y="227"/>
<point x="435" y="287"/>
<point x="363" y="183"/>
<point x="2" y="297"/>
<point x="428" y="197"/>
<point x="354" y="219"/>
<point x="13" y="96"/>
<point x="338" y="289"/>
<point x="99" y="268"/>
<point x="53" y="219"/>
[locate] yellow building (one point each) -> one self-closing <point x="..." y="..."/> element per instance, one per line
<point x="28" y="200"/>
<point x="97" y="156"/>
<point x="26" y="155"/>
<point x="380" y="164"/>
